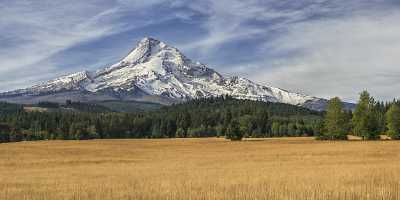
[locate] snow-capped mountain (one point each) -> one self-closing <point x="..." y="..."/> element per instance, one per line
<point x="156" y="72"/>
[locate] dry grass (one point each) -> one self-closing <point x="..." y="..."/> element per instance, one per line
<point x="200" y="169"/>
<point x="35" y="109"/>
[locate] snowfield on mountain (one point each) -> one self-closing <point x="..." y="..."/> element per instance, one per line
<point x="155" y="72"/>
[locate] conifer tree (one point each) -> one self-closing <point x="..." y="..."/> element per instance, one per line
<point x="246" y="124"/>
<point x="233" y="131"/>
<point x="275" y="129"/>
<point x="197" y="118"/>
<point x="180" y="133"/>
<point x="283" y="130"/>
<point x="4" y="132"/>
<point x="360" y="115"/>
<point x="291" y="129"/>
<point x="365" y="122"/>
<point x="92" y="132"/>
<point x="335" y="120"/>
<point x="393" y="121"/>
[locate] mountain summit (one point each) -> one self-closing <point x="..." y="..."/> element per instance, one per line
<point x="155" y="72"/>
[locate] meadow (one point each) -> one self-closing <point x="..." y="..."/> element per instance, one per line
<point x="210" y="168"/>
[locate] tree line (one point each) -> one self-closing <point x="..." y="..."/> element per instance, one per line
<point x="211" y="117"/>
<point x="369" y="120"/>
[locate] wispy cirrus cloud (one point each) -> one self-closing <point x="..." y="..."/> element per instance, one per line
<point x="321" y="47"/>
<point x="34" y="31"/>
<point x="229" y="20"/>
<point x="339" y="57"/>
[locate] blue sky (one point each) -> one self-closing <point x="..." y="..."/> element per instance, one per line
<point x="318" y="47"/>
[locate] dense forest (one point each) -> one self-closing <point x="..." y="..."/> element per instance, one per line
<point x="221" y="116"/>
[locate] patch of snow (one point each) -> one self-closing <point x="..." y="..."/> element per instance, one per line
<point x="159" y="69"/>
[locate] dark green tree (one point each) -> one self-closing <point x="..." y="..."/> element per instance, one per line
<point x="291" y="129"/>
<point x="283" y="129"/>
<point x="246" y="125"/>
<point x="4" y="133"/>
<point x="393" y="121"/>
<point x="180" y="133"/>
<point x="364" y="121"/>
<point x="275" y="129"/>
<point x="233" y="132"/>
<point x="334" y="120"/>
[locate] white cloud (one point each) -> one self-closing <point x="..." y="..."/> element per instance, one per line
<point x="224" y="22"/>
<point x="339" y="57"/>
<point x="39" y="30"/>
<point x="34" y="31"/>
<point x="231" y="20"/>
<point x="324" y="48"/>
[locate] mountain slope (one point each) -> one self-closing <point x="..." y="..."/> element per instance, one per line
<point x="155" y="72"/>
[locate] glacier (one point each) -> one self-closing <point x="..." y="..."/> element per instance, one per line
<point x="155" y="72"/>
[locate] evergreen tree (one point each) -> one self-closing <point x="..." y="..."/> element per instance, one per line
<point x="4" y="133"/>
<point x="257" y="133"/>
<point x="246" y="125"/>
<point x="365" y="122"/>
<point x="335" y="120"/>
<point x="291" y="129"/>
<point x="275" y="129"/>
<point x="227" y="117"/>
<point x="221" y="129"/>
<point x="283" y="129"/>
<point x="373" y="121"/>
<point x="393" y="121"/>
<point x="300" y="128"/>
<point x="156" y="132"/>
<point x="348" y="116"/>
<point x="360" y="115"/>
<point x="198" y="118"/>
<point x="92" y="132"/>
<point x="72" y="131"/>
<point x="180" y="133"/>
<point x="233" y="131"/>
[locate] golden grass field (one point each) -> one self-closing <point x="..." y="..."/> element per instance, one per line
<point x="286" y="168"/>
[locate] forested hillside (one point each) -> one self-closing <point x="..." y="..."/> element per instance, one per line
<point x="197" y="118"/>
<point x="8" y="108"/>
